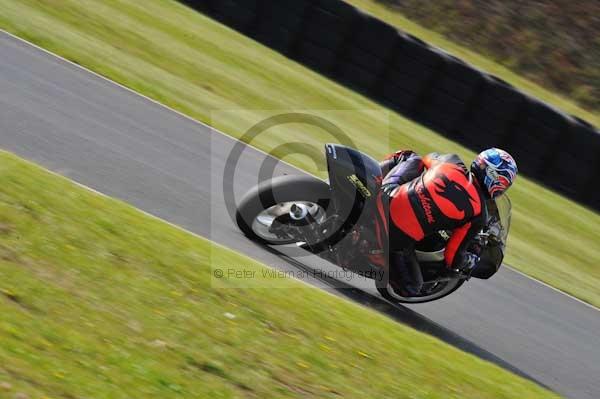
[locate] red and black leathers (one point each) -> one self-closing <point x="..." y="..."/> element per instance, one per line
<point x="445" y="196"/>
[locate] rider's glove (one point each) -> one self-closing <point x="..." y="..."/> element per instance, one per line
<point x="495" y="231"/>
<point x="399" y="156"/>
<point x="470" y="261"/>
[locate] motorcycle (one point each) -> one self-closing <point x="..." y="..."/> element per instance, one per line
<point x="344" y="221"/>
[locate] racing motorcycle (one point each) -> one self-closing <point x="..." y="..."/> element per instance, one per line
<point x="344" y="220"/>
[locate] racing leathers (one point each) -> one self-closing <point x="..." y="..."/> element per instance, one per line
<point x="428" y="194"/>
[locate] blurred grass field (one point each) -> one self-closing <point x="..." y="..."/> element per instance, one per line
<point x="99" y="300"/>
<point x="514" y="34"/>
<point x="198" y="66"/>
<point x="395" y="18"/>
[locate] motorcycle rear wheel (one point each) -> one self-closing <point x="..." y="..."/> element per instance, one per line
<point x="436" y="293"/>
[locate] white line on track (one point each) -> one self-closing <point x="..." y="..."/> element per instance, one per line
<point x="233" y="138"/>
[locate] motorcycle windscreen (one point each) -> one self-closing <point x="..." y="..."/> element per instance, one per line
<point x="504" y="212"/>
<point x="491" y="256"/>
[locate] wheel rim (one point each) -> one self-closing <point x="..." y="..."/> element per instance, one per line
<point x="262" y="222"/>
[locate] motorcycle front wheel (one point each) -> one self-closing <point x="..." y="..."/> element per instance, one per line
<point x="271" y="200"/>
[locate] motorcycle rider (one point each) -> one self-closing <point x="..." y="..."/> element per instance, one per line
<point x="437" y="192"/>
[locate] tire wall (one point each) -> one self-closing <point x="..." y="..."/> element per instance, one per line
<point x="425" y="84"/>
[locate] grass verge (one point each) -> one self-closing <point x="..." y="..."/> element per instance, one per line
<point x="395" y="18"/>
<point x="197" y="66"/>
<point x="99" y="300"/>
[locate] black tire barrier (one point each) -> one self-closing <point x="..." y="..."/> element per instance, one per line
<point x="237" y="14"/>
<point x="575" y="161"/>
<point x="410" y="75"/>
<point x="416" y="49"/>
<point x="424" y="83"/>
<point x="376" y="38"/>
<point x="500" y="99"/>
<point x="357" y="77"/>
<point x="318" y="58"/>
<point x="326" y="30"/>
<point x="198" y="5"/>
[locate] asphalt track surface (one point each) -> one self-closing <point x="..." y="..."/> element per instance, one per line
<point x="121" y="144"/>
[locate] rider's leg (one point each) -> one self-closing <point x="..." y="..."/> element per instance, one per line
<point x="404" y="270"/>
<point x="405" y="273"/>
<point x="416" y="276"/>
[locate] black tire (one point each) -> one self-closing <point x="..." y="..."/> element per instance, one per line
<point x="277" y="190"/>
<point x="429" y="298"/>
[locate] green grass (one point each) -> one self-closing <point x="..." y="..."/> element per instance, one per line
<point x="99" y="300"/>
<point x="198" y="66"/>
<point x="395" y="18"/>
